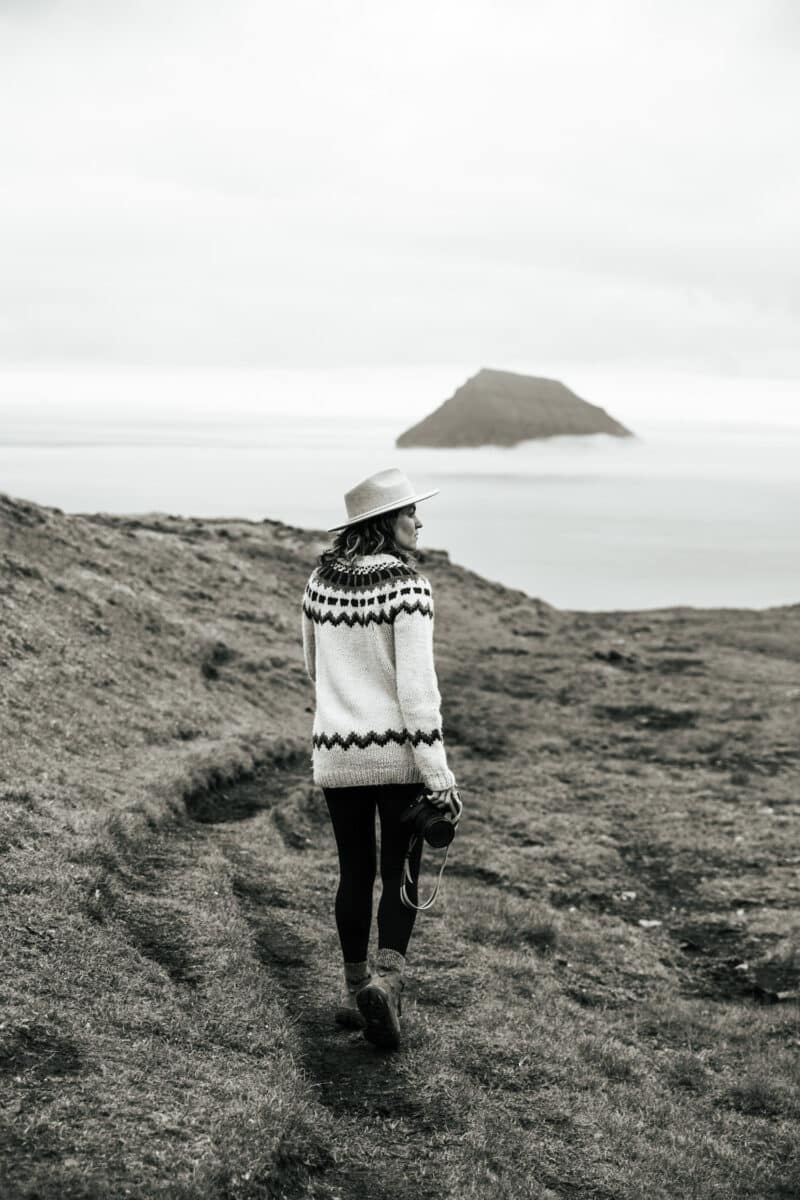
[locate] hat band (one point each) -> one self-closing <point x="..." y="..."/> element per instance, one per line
<point x="387" y="507"/>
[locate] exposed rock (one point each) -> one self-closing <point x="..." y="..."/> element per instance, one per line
<point x="500" y="408"/>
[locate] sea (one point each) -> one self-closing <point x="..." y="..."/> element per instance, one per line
<point x="700" y="508"/>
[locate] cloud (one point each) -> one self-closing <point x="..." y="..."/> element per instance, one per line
<point x="369" y="182"/>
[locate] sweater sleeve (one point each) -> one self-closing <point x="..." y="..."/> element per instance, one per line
<point x="418" y="695"/>
<point x="309" y="647"/>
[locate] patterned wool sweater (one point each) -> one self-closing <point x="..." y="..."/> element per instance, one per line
<point x="368" y="644"/>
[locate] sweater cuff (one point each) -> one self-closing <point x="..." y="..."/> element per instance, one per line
<point x="437" y="781"/>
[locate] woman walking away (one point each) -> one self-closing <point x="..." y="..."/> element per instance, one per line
<point x="377" y="734"/>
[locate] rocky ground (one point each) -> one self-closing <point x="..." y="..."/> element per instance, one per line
<point x="601" y="1006"/>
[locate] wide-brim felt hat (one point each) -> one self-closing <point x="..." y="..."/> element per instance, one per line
<point x="378" y="494"/>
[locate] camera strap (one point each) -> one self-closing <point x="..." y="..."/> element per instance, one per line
<point x="409" y="878"/>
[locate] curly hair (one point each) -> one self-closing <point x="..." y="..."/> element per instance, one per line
<point x="375" y="536"/>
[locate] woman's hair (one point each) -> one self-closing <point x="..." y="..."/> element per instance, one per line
<point x="374" y="536"/>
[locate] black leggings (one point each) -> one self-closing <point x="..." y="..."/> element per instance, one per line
<point x="352" y="811"/>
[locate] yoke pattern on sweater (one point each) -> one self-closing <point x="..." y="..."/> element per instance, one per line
<point x="360" y="577"/>
<point x="319" y="597"/>
<point x="379" y="618"/>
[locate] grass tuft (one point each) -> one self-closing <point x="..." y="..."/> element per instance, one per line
<point x="612" y="1058"/>
<point x="36" y="1050"/>
<point x="687" y="1071"/>
<point x="505" y="920"/>
<point x="758" y="1095"/>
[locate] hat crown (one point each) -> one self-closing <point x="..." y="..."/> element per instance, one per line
<point x="385" y="489"/>
<point x="380" y="493"/>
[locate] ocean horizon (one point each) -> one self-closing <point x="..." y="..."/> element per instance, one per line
<point x="695" y="510"/>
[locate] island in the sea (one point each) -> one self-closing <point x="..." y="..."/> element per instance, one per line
<point x="501" y="408"/>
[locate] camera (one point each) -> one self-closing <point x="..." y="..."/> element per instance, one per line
<point x="430" y="823"/>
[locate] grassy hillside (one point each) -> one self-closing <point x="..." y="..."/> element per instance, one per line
<point x="601" y="1006"/>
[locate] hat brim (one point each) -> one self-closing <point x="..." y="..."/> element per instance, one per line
<point x="385" y="508"/>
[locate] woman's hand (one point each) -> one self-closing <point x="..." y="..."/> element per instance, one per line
<point x="448" y="800"/>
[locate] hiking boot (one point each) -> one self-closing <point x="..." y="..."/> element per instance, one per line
<point x="380" y="1003"/>
<point x="347" y="1014"/>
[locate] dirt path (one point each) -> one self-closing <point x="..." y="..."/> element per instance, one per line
<point x="275" y="838"/>
<point x="394" y="1140"/>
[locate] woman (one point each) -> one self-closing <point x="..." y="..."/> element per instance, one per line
<point x="377" y="735"/>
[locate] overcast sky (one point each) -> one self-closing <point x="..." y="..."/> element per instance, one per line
<point x="314" y="183"/>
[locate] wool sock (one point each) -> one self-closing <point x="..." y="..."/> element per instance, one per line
<point x="356" y="972"/>
<point x="390" y="960"/>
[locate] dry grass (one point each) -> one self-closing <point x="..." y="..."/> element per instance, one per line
<point x="593" y="1009"/>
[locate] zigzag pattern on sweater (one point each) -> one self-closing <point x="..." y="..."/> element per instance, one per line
<point x="384" y="617"/>
<point x="362" y="740"/>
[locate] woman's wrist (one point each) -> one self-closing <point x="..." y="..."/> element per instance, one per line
<point x="439" y="781"/>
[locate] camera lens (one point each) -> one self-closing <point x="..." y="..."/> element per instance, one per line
<point x="438" y="831"/>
